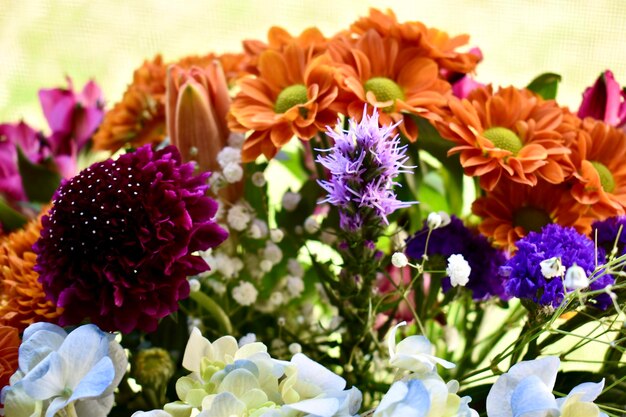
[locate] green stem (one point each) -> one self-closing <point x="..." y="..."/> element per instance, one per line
<point x="214" y="309"/>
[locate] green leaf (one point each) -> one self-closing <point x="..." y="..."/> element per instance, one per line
<point x="545" y="85"/>
<point x="39" y="180"/>
<point x="10" y="218"/>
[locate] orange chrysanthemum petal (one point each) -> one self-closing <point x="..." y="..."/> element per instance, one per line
<point x="22" y="299"/>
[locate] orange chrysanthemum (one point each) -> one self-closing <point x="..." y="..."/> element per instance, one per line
<point x="22" y="299"/>
<point x="139" y="118"/>
<point x="510" y="134"/>
<point x="512" y="210"/>
<point x="600" y="179"/>
<point x="433" y="43"/>
<point x="398" y="81"/>
<point x="9" y="345"/>
<point x="294" y="94"/>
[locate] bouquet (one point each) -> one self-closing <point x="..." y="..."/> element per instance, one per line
<point x="316" y="226"/>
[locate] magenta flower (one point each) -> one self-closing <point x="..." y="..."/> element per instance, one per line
<point x="73" y="118"/>
<point x="605" y="101"/>
<point x="117" y="245"/>
<point x="34" y="147"/>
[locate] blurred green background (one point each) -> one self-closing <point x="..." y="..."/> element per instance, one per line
<point x="42" y="41"/>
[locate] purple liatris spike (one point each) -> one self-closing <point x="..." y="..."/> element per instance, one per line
<point x="363" y="163"/>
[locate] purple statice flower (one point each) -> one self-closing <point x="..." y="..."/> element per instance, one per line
<point x="605" y="233"/>
<point x="455" y="238"/>
<point x="523" y="276"/>
<point x="363" y="163"/>
<point x="118" y="243"/>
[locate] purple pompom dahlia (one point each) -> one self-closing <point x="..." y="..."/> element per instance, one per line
<point x="117" y="245"/>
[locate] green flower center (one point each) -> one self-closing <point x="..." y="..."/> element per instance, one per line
<point x="289" y="97"/>
<point x="532" y="219"/>
<point x="504" y="138"/>
<point x="384" y="89"/>
<point x="606" y="178"/>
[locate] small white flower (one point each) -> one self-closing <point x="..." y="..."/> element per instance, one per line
<point x="552" y="267"/>
<point x="247" y="339"/>
<point x="229" y="155"/>
<point x="238" y="217"/>
<point x="236" y="140"/>
<point x="245" y="293"/>
<point x="258" y="179"/>
<point x="276" y="235"/>
<point x="576" y="278"/>
<point x="311" y="225"/>
<point x="276" y="298"/>
<point x="436" y="220"/>
<point x="217" y="286"/>
<point x="233" y="173"/>
<point x="258" y="229"/>
<point x="294" y="268"/>
<point x="295" y="348"/>
<point x="328" y="237"/>
<point x="458" y="270"/>
<point x="399" y="260"/>
<point x="194" y="285"/>
<point x="295" y="286"/>
<point x="281" y="321"/>
<point x="272" y="253"/>
<point x="291" y="200"/>
<point x="266" y="265"/>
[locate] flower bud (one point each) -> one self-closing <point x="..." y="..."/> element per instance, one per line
<point x="399" y="260"/>
<point x="153" y="368"/>
<point x="576" y="278"/>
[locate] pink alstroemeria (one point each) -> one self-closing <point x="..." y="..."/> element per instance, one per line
<point x="73" y="117"/>
<point x="34" y="147"/>
<point x="605" y="101"/>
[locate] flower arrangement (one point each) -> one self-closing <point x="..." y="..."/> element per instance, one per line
<point x="249" y="234"/>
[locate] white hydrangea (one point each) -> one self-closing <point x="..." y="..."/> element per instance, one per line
<point x="247" y="339"/>
<point x="258" y="179"/>
<point x="458" y="270"/>
<point x="233" y="173"/>
<point x="229" y="155"/>
<point x="272" y="253"/>
<point x="295" y="286"/>
<point x="245" y="293"/>
<point x="291" y="200"/>
<point x="238" y="217"/>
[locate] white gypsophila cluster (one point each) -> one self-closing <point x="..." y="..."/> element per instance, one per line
<point x="229" y="155"/>
<point x="236" y="140"/>
<point x="218" y="287"/>
<point x="438" y="219"/>
<point x="276" y="235"/>
<point x="294" y="285"/>
<point x="258" y="179"/>
<point x="398" y="239"/>
<point x="294" y="268"/>
<point x="266" y="265"/>
<point x="311" y="225"/>
<point x="258" y="229"/>
<point x="399" y="260"/>
<point x="232" y="173"/>
<point x="238" y="217"/>
<point x="194" y="285"/>
<point x="291" y="200"/>
<point x="576" y="278"/>
<point x="552" y="267"/>
<point x="245" y="293"/>
<point x="272" y="253"/>
<point x="458" y="270"/>
<point x="228" y="267"/>
<point x="328" y="236"/>
<point x="276" y="298"/>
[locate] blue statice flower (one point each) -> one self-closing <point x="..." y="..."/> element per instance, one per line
<point x="605" y="233"/>
<point x="523" y="272"/>
<point x="363" y="163"/>
<point x="454" y="238"/>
